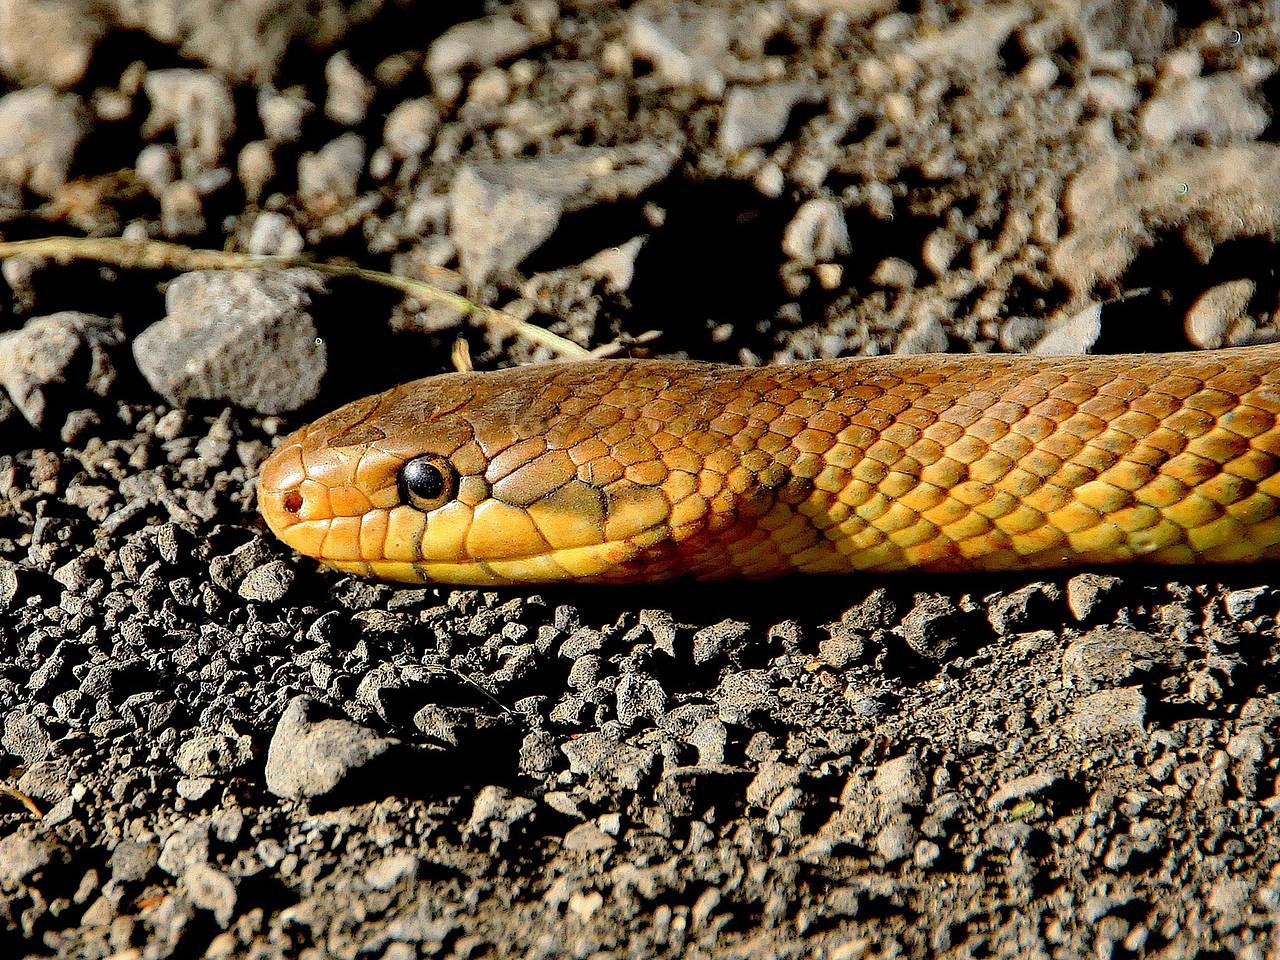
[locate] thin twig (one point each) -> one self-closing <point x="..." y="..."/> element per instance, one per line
<point x="623" y="344"/>
<point x="22" y="798"/>
<point x="461" y="356"/>
<point x="160" y="255"/>
<point x="453" y="671"/>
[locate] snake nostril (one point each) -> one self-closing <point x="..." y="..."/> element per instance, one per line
<point x="292" y="501"/>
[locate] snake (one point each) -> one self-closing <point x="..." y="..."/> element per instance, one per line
<point x="625" y="471"/>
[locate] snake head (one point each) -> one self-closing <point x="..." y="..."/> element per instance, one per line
<point x="467" y="479"/>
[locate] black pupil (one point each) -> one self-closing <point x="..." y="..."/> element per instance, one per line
<point x="423" y="479"/>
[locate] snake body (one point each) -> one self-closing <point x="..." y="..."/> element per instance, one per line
<point x="624" y="470"/>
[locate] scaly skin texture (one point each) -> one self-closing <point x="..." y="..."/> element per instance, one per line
<point x="623" y="471"/>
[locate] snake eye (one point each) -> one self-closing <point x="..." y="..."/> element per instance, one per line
<point x="427" y="482"/>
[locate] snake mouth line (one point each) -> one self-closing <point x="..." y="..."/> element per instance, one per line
<point x="568" y="563"/>
<point x="309" y="537"/>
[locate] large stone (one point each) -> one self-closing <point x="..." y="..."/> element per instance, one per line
<point x="500" y="212"/>
<point x="310" y="757"/>
<point x="39" y="132"/>
<point x="50" y="361"/>
<point x="243" y="336"/>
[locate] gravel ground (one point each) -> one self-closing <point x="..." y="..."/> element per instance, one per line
<point x="209" y="747"/>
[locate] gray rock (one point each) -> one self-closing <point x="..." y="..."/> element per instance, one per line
<point x="900" y="782"/>
<point x="1088" y="593"/>
<point x="588" y="838"/>
<point x="186" y="846"/>
<point x="213" y="754"/>
<point x="21" y="856"/>
<point x="687" y="46"/>
<point x="896" y="840"/>
<point x="1023" y="787"/>
<point x="282" y="114"/>
<point x="410" y="126"/>
<point x="585" y="672"/>
<point x="1108" y="655"/>
<point x="168" y="924"/>
<point x="34" y="358"/>
<point x="228" y="570"/>
<point x="844" y="647"/>
<point x="478" y="43"/>
<point x="933" y="626"/>
<point x="57" y="361"/>
<point x="926" y="854"/>
<point x="745" y="693"/>
<point x="227" y="825"/>
<point x="662" y="627"/>
<point x="389" y="871"/>
<point x="495" y="814"/>
<point x="537" y="753"/>
<point x="878" y="611"/>
<point x="1073" y="335"/>
<point x="47" y="41"/>
<point x="718" y="640"/>
<point x="310" y="758"/>
<point x="603" y="752"/>
<point x="197" y="106"/>
<point x="78" y="572"/>
<point x="181" y="210"/>
<point x="497" y="224"/>
<point x="100" y="913"/>
<point x="331" y="176"/>
<point x="894" y="272"/>
<point x="255" y="168"/>
<point x="1220" y="109"/>
<point x="709" y="738"/>
<point x="1010" y="835"/>
<point x="924" y="334"/>
<point x="1249" y="749"/>
<point x="25" y="736"/>
<point x="46" y="780"/>
<point x="349" y="93"/>
<point x="973" y="41"/>
<point x="268" y="583"/>
<point x="244" y="39"/>
<point x="242" y="336"/>
<point x="441" y="723"/>
<point x="1241" y="604"/>
<point x="1141" y="28"/>
<point x="772" y="781"/>
<point x="194" y="789"/>
<point x="1218" y="317"/>
<point x="500" y="212"/>
<point x="157" y="167"/>
<point x="1108" y="713"/>
<point x="60" y="812"/>
<point x="754" y="116"/>
<point x="639" y="697"/>
<point x="580" y="643"/>
<point x="1230" y="896"/>
<point x="274" y="234"/>
<point x="211" y="889"/>
<point x="1025" y="608"/>
<point x="872" y="704"/>
<point x="817" y="233"/>
<point x="39" y="132"/>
